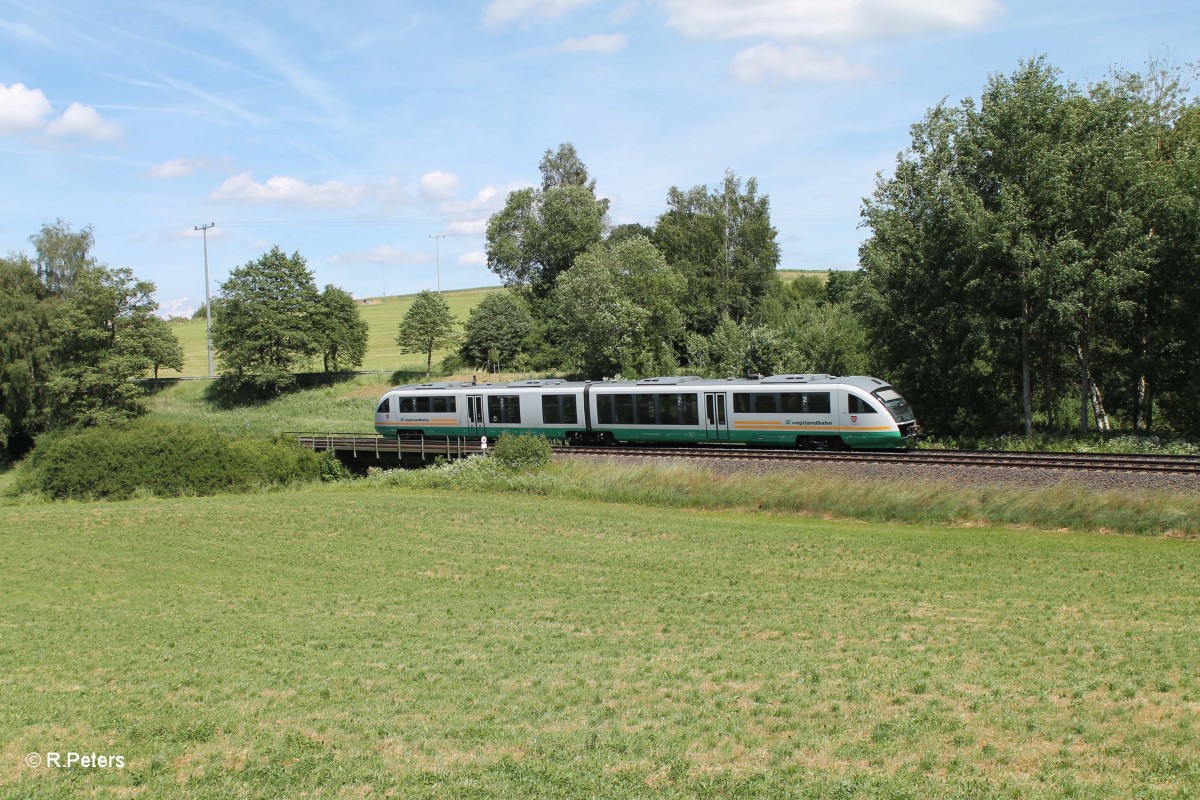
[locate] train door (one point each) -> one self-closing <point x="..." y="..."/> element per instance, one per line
<point x="857" y="417"/>
<point x="716" y="421"/>
<point x="476" y="421"/>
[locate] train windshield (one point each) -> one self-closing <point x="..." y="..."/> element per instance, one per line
<point x="895" y="405"/>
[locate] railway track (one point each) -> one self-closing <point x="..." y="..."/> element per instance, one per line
<point x="1096" y="462"/>
<point x="388" y="448"/>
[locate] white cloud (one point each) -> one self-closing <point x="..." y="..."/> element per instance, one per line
<point x="179" y="307"/>
<point x="502" y="12"/>
<point x="242" y="188"/>
<point x="22" y="109"/>
<point x="467" y="227"/>
<point x="766" y="62"/>
<point x="383" y="254"/>
<point x="84" y="121"/>
<point x="826" y="21"/>
<point x="489" y="198"/>
<point x="179" y="167"/>
<point x="475" y="258"/>
<point x="438" y="185"/>
<point x="600" y="43"/>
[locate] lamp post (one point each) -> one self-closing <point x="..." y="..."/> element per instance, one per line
<point x="207" y="297"/>
<point x="437" y="256"/>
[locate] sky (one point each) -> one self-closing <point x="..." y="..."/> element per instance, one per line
<point x="375" y="138"/>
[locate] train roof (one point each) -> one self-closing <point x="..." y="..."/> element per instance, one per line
<point x="864" y="382"/>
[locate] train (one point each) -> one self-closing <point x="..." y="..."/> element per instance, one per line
<point x="815" y="412"/>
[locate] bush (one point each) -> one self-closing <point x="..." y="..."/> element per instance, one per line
<point x="163" y="459"/>
<point x="524" y="451"/>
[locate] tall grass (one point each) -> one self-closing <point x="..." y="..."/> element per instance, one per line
<point x="1072" y="443"/>
<point x="1063" y="506"/>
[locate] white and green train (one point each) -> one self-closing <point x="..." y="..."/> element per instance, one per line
<point x="808" y="411"/>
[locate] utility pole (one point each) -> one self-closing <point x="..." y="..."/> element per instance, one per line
<point x="207" y="297"/>
<point x="437" y="256"/>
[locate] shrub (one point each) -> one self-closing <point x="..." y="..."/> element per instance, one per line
<point x="524" y="451"/>
<point x="164" y="459"/>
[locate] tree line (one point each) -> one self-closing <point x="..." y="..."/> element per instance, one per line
<point x="696" y="291"/>
<point x="1034" y="259"/>
<point x="1033" y="262"/>
<point x="73" y="331"/>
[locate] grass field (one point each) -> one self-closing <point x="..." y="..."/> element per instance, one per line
<point x="360" y="642"/>
<point x="382" y="316"/>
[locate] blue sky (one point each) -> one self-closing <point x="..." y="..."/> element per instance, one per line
<point x="353" y="132"/>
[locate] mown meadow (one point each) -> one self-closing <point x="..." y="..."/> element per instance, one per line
<point x="364" y="640"/>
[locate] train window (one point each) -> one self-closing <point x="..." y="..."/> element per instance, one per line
<point x="385" y="406"/>
<point x="551" y="410"/>
<point x="623" y="404"/>
<point x="689" y="409"/>
<point x="766" y="403"/>
<point x="647" y="409"/>
<point x="422" y="405"/>
<point x="741" y="403"/>
<point x="668" y="409"/>
<point x="442" y="403"/>
<point x="408" y="405"/>
<point x="856" y="405"/>
<point x="604" y="410"/>
<point x="818" y="403"/>
<point x="895" y="405"/>
<point x="504" y="408"/>
<point x="559" y="409"/>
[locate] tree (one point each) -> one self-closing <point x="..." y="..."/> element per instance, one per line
<point x="1030" y="244"/>
<point x="341" y="330"/>
<point x="539" y="232"/>
<point x="724" y="244"/>
<point x="99" y="346"/>
<point x="427" y="326"/>
<point x="933" y="326"/>
<point x="160" y="345"/>
<point x="62" y="254"/>
<point x="593" y="319"/>
<point x="564" y="167"/>
<point x="26" y="350"/>
<point x="496" y="331"/>
<point x="265" y="327"/>
<point x="617" y="310"/>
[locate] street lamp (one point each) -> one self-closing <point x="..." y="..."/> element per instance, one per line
<point x="437" y="256"/>
<point x="207" y="297"/>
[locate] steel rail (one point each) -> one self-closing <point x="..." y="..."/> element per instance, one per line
<point x="1098" y="462"/>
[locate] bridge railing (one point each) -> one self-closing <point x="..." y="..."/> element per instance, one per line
<point x="361" y="445"/>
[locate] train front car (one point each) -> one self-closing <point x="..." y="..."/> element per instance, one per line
<point x="898" y="408"/>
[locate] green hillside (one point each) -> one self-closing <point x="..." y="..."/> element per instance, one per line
<point x="382" y="316"/>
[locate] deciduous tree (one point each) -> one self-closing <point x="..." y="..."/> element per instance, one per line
<point x="26" y="350"/>
<point x="427" y="326"/>
<point x="341" y="330"/>
<point x="724" y="244"/>
<point x="496" y="330"/>
<point x="265" y="329"/>
<point x="540" y="232"/>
